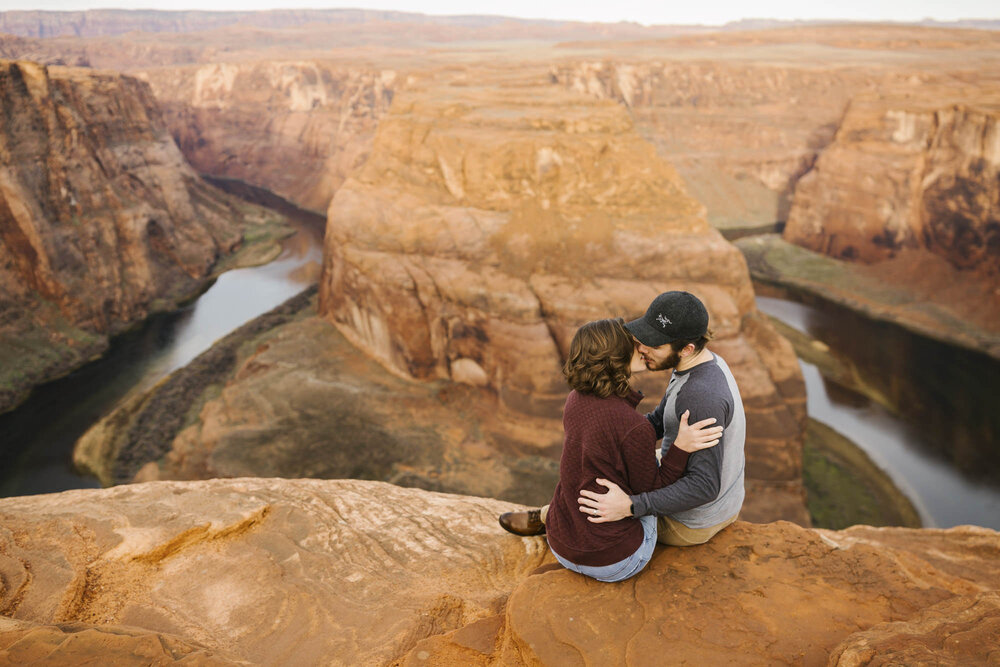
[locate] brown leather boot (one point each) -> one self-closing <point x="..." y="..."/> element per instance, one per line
<point x="523" y="523"/>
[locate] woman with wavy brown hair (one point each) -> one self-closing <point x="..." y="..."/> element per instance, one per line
<point x="605" y="437"/>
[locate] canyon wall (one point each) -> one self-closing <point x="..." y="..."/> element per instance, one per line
<point x="912" y="169"/>
<point x="872" y="143"/>
<point x="101" y="220"/>
<point x="493" y="218"/>
<point x="267" y="571"/>
<point x="741" y="134"/>
<point x="297" y="128"/>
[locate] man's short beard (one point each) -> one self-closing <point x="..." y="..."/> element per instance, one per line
<point x="670" y="362"/>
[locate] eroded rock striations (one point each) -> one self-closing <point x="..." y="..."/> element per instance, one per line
<point x="492" y="219"/>
<point x="274" y="571"/>
<point x="101" y="220"/>
<point x="74" y="643"/>
<point x="296" y="128"/>
<point x="914" y="169"/>
<point x="740" y="134"/>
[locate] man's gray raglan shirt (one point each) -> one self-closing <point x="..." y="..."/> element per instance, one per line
<point x="711" y="490"/>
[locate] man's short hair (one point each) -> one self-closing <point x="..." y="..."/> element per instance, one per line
<point x="699" y="343"/>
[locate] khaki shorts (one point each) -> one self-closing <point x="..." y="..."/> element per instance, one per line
<point x="675" y="534"/>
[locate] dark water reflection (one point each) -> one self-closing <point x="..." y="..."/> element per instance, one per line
<point x="37" y="439"/>
<point x="936" y="428"/>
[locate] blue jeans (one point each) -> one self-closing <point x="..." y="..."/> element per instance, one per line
<point x="623" y="569"/>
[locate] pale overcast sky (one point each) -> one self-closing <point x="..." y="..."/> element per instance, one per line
<point x="711" y="12"/>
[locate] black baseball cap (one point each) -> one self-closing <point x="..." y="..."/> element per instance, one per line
<point x="672" y="316"/>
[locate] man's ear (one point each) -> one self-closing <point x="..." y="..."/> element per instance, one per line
<point x="687" y="350"/>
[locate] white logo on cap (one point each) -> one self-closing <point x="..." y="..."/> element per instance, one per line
<point x="661" y="318"/>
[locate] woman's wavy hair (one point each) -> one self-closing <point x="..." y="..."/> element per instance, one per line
<point x="600" y="358"/>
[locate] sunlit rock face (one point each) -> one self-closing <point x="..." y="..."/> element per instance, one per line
<point x="491" y="220"/>
<point x="914" y="169"/>
<point x="264" y="570"/>
<point x="273" y="571"/>
<point x="75" y="643"/>
<point x="297" y="128"/>
<point x="101" y="220"/>
<point x="739" y="133"/>
<point x="887" y="598"/>
<point x="744" y="114"/>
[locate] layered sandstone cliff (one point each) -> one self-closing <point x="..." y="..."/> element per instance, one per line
<point x="913" y="169"/>
<point x="740" y="133"/>
<point x="492" y="219"/>
<point x="266" y="571"/>
<point x="743" y="115"/>
<point x="296" y="128"/>
<point x="101" y="220"/>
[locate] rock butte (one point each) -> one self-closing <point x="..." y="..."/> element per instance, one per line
<point x="490" y="222"/>
<point x="101" y="220"/>
<point x="271" y="571"/>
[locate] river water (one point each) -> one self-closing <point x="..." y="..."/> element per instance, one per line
<point x="940" y="441"/>
<point x="37" y="439"/>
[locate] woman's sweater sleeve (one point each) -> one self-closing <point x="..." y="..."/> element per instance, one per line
<point x="639" y="455"/>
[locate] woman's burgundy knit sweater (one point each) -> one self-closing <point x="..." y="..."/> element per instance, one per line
<point x="606" y="438"/>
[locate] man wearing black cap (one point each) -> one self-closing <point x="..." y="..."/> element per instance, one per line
<point x="672" y="335"/>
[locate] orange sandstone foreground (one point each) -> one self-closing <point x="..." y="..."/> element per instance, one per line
<point x="268" y="571"/>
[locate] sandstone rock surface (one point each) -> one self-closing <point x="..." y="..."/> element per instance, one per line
<point x="26" y="643"/>
<point x="757" y="595"/>
<point x="101" y="220"/>
<point x="297" y="128"/>
<point x="350" y="572"/>
<point x="493" y="218"/>
<point x="270" y="571"/>
<point x="913" y="169"/>
<point x="964" y="630"/>
<point x="744" y="114"/>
